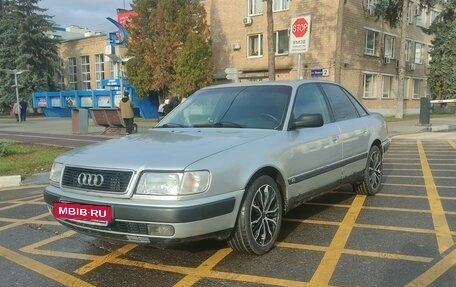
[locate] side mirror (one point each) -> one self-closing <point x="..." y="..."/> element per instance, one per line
<point x="308" y="121"/>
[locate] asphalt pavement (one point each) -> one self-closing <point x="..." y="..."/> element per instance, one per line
<point x="64" y="126"/>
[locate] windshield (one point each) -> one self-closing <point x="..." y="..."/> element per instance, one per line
<point x="260" y="107"/>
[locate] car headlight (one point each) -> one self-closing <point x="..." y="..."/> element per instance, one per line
<point x="173" y="183"/>
<point x="56" y="173"/>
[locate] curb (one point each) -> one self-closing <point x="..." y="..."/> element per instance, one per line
<point x="10" y="180"/>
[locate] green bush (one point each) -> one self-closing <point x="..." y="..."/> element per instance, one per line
<point x="6" y="148"/>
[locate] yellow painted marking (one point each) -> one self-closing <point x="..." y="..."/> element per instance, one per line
<point x="302" y="246"/>
<point x="48" y="240"/>
<point x="19" y="187"/>
<point x="105" y="259"/>
<point x="444" y="238"/>
<point x="42" y="269"/>
<point x="388" y="255"/>
<point x="453" y="144"/>
<point x="326" y="268"/>
<point x="402" y="184"/>
<point x="437" y="270"/>
<point x="19" y="222"/>
<point x="212" y="274"/>
<point x="207" y="265"/>
<point x="11" y="206"/>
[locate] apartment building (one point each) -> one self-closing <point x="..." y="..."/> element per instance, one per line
<point x="347" y="42"/>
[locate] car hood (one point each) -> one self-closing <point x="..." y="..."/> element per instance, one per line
<point x="161" y="149"/>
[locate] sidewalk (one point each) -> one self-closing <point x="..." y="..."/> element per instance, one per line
<point x="63" y="126"/>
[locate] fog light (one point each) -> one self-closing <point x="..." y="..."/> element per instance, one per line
<point x="160" y="229"/>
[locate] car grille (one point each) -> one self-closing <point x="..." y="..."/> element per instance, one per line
<point x="113" y="180"/>
<point x="118" y="226"/>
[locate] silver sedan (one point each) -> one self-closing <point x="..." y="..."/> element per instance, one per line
<point x="227" y="163"/>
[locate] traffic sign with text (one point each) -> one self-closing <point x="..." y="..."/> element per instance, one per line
<point x="300" y="34"/>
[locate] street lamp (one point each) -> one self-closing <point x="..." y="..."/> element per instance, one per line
<point x="15" y="72"/>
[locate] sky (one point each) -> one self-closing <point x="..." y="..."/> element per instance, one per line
<point x="84" y="13"/>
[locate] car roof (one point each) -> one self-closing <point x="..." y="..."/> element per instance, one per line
<point x="292" y="83"/>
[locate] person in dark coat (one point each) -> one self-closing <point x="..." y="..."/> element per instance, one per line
<point x="126" y="111"/>
<point x="23" y="105"/>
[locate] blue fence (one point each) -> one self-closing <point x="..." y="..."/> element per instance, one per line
<point x="59" y="104"/>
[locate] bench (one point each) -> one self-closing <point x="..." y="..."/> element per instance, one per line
<point x="110" y="119"/>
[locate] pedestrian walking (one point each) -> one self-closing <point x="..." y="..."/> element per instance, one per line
<point x="126" y="111"/>
<point x="23" y="106"/>
<point x="16" y="111"/>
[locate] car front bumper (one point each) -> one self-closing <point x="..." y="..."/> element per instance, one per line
<point x="139" y="223"/>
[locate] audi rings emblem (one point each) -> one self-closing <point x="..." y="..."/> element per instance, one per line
<point x="90" y="179"/>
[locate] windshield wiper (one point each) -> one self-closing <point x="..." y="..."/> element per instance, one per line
<point x="172" y="125"/>
<point x="219" y="125"/>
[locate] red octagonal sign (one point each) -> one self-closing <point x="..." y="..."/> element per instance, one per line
<point x="299" y="27"/>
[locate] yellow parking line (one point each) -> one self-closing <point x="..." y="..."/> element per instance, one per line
<point x="211" y="273"/>
<point x="47" y="241"/>
<point x="42" y="269"/>
<point x="443" y="233"/>
<point x="433" y="273"/>
<point x="19" y="222"/>
<point x="11" y="206"/>
<point x="207" y="265"/>
<point x="384" y="255"/>
<point x="328" y="264"/>
<point x="104" y="259"/>
<point x="453" y="144"/>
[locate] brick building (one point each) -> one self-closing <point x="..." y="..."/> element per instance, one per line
<point x="345" y="40"/>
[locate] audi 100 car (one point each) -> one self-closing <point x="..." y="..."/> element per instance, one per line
<point x="227" y="163"/>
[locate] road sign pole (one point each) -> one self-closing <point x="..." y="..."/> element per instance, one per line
<point x="299" y="66"/>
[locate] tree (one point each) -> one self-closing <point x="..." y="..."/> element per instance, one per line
<point x="169" y="40"/>
<point x="24" y="45"/>
<point x="442" y="76"/>
<point x="270" y="32"/>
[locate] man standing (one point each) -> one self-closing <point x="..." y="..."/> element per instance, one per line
<point x="126" y="111"/>
<point x="23" y="105"/>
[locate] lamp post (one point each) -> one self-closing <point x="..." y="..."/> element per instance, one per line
<point x="15" y="72"/>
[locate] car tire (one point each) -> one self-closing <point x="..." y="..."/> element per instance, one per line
<point x="372" y="175"/>
<point x="260" y="218"/>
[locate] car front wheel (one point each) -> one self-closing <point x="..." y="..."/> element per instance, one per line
<point x="373" y="173"/>
<point x="260" y="218"/>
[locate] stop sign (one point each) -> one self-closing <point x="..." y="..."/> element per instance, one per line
<point x="299" y="27"/>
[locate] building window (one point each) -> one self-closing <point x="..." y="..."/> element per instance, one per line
<point x="85" y="72"/>
<point x="72" y="74"/>
<point x="370" y="6"/>
<point x="410" y="12"/>
<point x="369" y="86"/>
<point x="432" y="15"/>
<point x="370" y="46"/>
<point x="99" y="69"/>
<point x="418" y="53"/>
<point x="255" y="7"/>
<point x="255" y="45"/>
<point x="387" y="87"/>
<point x="408" y="45"/>
<point x="281" y="45"/>
<point x="389" y="46"/>
<point x="420" y="17"/>
<point x="416" y="89"/>
<point x="280" y="5"/>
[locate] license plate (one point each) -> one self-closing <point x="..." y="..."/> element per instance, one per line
<point x="84" y="212"/>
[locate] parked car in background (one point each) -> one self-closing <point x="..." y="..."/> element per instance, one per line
<point x="227" y="163"/>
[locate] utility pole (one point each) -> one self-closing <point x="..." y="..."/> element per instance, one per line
<point x="15" y="72"/>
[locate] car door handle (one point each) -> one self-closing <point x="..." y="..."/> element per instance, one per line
<point x="334" y="138"/>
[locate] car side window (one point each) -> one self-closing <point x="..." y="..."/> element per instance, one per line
<point x="341" y="105"/>
<point x="310" y="100"/>
<point x="361" y="110"/>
